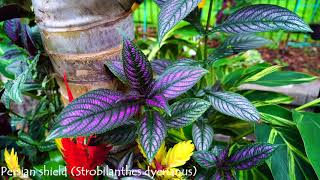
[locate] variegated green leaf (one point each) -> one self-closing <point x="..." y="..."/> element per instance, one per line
<point x="202" y="135"/>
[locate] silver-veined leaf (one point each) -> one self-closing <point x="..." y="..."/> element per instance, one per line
<point x="202" y="135"/>
<point x="93" y="113"/>
<point x="234" y="105"/>
<point x="236" y="44"/>
<point x="177" y="80"/>
<point x="186" y="111"/>
<point x="261" y="18"/>
<point x="151" y="134"/>
<point x="205" y="159"/>
<point x="172" y="12"/>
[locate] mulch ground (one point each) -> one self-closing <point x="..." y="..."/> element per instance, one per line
<point x="297" y="59"/>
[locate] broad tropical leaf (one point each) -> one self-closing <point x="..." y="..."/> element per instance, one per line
<point x="177" y="80"/>
<point x="121" y="135"/>
<point x="12" y="28"/>
<point x="309" y="127"/>
<point x="160" y="102"/>
<point x="282" y="78"/>
<point x="186" y="111"/>
<point x="172" y="12"/>
<point x="202" y="135"/>
<point x="136" y="67"/>
<point x="93" y="113"/>
<point x="205" y="159"/>
<point x="261" y="18"/>
<point x="236" y="44"/>
<point x="234" y="105"/>
<point x="160" y="65"/>
<point x="289" y="161"/>
<point x="250" y="156"/>
<point x="151" y="134"/>
<point x="116" y="67"/>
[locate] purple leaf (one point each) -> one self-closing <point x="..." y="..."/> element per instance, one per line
<point x="223" y="175"/>
<point x="160" y="102"/>
<point x="136" y="67"/>
<point x="93" y="113"/>
<point x="159" y="65"/>
<point x="12" y="54"/>
<point x="116" y="67"/>
<point x="12" y="28"/>
<point x="177" y="80"/>
<point x="250" y="156"/>
<point x="205" y="159"/>
<point x="27" y="40"/>
<point x="160" y="2"/>
<point x="151" y="134"/>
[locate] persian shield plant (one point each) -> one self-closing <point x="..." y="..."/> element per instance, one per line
<point x="195" y="100"/>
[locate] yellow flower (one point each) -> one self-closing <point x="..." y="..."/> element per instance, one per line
<point x="12" y="162"/>
<point x="175" y="157"/>
<point x="59" y="144"/>
<point x="202" y="4"/>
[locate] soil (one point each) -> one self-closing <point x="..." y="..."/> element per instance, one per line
<point x="305" y="60"/>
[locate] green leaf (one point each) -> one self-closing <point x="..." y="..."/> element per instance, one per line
<point x="234" y="105"/>
<point x="236" y="44"/>
<point x="46" y="146"/>
<point x="152" y="132"/>
<point x="261" y="18"/>
<point x="202" y="135"/>
<point x="186" y="111"/>
<point x="282" y="78"/>
<point x="276" y="115"/>
<point x="289" y="162"/>
<point x="309" y="128"/>
<point x="259" y="98"/>
<point x="172" y="12"/>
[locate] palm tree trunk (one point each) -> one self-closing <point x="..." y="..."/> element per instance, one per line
<point x="79" y="36"/>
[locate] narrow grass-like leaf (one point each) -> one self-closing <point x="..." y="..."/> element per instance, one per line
<point x="250" y="156"/>
<point x="186" y="111"/>
<point x="116" y="67"/>
<point x="160" y="65"/>
<point x="177" y="80"/>
<point x="234" y="105"/>
<point x="236" y="44"/>
<point x="136" y="67"/>
<point x="202" y="135"/>
<point x="93" y="113"/>
<point x="160" y="102"/>
<point x="205" y="159"/>
<point x="172" y="12"/>
<point x="151" y="134"/>
<point x="261" y="18"/>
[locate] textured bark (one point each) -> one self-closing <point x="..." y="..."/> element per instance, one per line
<point x="80" y="35"/>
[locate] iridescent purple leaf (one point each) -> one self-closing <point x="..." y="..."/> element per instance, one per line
<point x="160" y="65"/>
<point x="12" y="28"/>
<point x="261" y="18"/>
<point x="234" y="105"/>
<point x="93" y="113"/>
<point x="172" y="12"/>
<point x="186" y="111"/>
<point x="116" y="67"/>
<point x="151" y="134"/>
<point x="250" y="156"/>
<point x="160" y="102"/>
<point x="223" y="175"/>
<point x="205" y="159"/>
<point x="137" y="68"/>
<point x="202" y="135"/>
<point x="177" y="80"/>
<point x="27" y="40"/>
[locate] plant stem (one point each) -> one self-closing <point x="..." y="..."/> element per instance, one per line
<point x="206" y="32"/>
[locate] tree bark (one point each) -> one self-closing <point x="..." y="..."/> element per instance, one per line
<point x="79" y="36"/>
